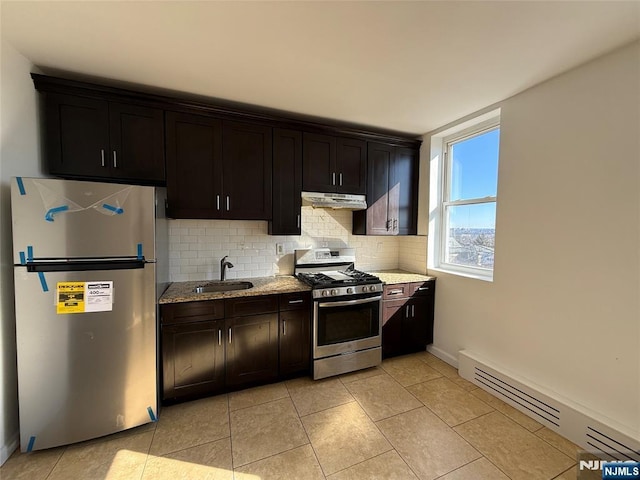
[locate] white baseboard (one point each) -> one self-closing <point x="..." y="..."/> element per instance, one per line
<point x="442" y="355"/>
<point x="598" y="435"/>
<point x="7" y="449"/>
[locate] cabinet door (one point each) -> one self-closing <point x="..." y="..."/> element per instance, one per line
<point x="252" y="349"/>
<point x="319" y="163"/>
<point x="192" y="359"/>
<point x="351" y="166"/>
<point x="403" y="192"/>
<point x="380" y="158"/>
<point x="392" y="320"/>
<point x="417" y="327"/>
<point x="137" y="142"/>
<point x="287" y="182"/>
<point x="295" y="341"/>
<point x="77" y="136"/>
<point x="247" y="171"/>
<point x="194" y="166"/>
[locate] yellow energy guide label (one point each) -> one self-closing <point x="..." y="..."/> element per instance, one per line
<point x="81" y="297"/>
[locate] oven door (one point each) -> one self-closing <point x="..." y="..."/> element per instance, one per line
<point x="346" y="324"/>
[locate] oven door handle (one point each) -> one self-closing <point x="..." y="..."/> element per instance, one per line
<point x="350" y="302"/>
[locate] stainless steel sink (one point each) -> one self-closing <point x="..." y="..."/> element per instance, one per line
<point x="212" y="287"/>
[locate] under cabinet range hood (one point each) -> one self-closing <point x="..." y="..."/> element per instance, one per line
<point x="345" y="201"/>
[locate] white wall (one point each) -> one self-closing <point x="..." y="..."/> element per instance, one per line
<point x="19" y="155"/>
<point x="564" y="307"/>
<point x="196" y="246"/>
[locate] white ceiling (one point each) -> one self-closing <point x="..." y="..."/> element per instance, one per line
<point x="405" y="66"/>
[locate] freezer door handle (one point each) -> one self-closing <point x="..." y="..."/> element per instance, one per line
<point x="70" y="265"/>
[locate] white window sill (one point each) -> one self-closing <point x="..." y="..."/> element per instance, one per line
<point x="475" y="276"/>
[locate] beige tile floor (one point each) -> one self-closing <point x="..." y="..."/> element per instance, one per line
<point x="411" y="418"/>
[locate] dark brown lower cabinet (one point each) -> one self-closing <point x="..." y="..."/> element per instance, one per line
<point x="407" y="318"/>
<point x="295" y="345"/>
<point x="252" y="349"/>
<point x="192" y="358"/>
<point x="263" y="338"/>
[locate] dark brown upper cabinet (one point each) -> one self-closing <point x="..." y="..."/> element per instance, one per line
<point x="287" y="182"/>
<point x="392" y="192"/>
<point x="102" y="140"/>
<point x="218" y="169"/>
<point x="334" y="164"/>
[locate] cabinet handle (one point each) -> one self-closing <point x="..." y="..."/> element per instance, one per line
<point x="291" y="302"/>
<point x="115" y="160"/>
<point x="218" y="202"/>
<point x="333" y="178"/>
<point x="406" y="311"/>
<point x="219" y="336"/>
<point x="395" y="292"/>
<point x="341" y="179"/>
<point x="422" y="289"/>
<point x="227" y="203"/>
<point x="395" y="223"/>
<point x="229" y="335"/>
<point x="102" y="155"/>
<point x="388" y="224"/>
<point x="298" y="220"/>
<point x="284" y="327"/>
<point x="413" y="311"/>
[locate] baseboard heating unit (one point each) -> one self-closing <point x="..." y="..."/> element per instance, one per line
<point x="597" y="435"/>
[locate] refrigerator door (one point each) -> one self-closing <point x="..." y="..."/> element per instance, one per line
<point x="66" y="218"/>
<point x="84" y="375"/>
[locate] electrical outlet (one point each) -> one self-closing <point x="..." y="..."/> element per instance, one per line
<point x="279" y="249"/>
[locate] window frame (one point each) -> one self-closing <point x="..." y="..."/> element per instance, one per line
<point x="443" y="142"/>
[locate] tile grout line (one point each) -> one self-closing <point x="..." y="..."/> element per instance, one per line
<point x="55" y="464"/>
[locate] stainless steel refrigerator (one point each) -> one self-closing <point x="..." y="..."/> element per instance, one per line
<point x="85" y="299"/>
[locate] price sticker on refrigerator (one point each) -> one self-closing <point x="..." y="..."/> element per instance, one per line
<point x="70" y="297"/>
<point x="99" y="296"/>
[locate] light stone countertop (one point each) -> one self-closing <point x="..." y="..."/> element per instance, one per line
<point x="179" y="292"/>
<point x="400" y="276"/>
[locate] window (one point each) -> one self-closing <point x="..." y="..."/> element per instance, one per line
<point x="468" y="176"/>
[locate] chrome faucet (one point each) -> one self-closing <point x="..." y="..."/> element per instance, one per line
<point x="223" y="267"/>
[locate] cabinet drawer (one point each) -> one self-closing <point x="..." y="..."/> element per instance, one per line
<point x="191" y="312"/>
<point x="398" y="290"/>
<point x="295" y="301"/>
<point x="239" y="307"/>
<point x="423" y="288"/>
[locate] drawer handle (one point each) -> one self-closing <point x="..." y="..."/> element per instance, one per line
<point x="291" y="302"/>
<point x="422" y="289"/>
<point x="395" y="292"/>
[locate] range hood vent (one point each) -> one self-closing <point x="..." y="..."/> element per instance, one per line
<point x="336" y="201"/>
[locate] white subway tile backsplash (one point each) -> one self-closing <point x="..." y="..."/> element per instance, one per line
<point x="253" y="251"/>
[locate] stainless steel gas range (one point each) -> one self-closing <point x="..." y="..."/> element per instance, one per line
<point x="347" y="313"/>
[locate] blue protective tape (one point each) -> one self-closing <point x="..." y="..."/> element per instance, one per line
<point x="20" y="186"/>
<point x="32" y="440"/>
<point x="151" y="414"/>
<point x="139" y="251"/>
<point x="29" y="253"/>
<point x="43" y="282"/>
<point x="23" y="259"/>
<point x="52" y="211"/>
<point x="111" y="208"/>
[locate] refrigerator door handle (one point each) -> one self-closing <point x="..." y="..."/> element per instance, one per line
<point x="68" y="265"/>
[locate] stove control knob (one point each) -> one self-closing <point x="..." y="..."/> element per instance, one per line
<point x="349" y="290"/>
<point x="334" y="292"/>
<point x="364" y="289"/>
<point x="325" y="293"/>
<point x="372" y="288"/>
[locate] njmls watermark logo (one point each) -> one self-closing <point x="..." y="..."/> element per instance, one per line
<point x="611" y="470"/>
